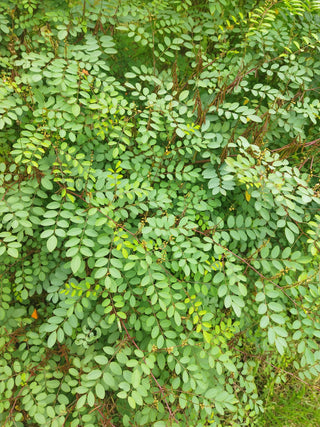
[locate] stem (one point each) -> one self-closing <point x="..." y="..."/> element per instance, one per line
<point x="151" y="373"/>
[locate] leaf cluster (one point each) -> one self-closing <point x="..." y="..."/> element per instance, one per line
<point x="159" y="206"/>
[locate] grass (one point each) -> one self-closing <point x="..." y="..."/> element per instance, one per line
<point x="292" y="404"/>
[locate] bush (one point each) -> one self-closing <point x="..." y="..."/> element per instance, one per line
<point x="159" y="209"/>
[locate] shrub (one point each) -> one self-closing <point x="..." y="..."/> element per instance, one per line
<point x="159" y="209"/>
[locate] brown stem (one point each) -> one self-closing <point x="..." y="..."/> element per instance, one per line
<point x="151" y="373"/>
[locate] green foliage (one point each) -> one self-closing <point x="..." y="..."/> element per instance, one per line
<point x="160" y="223"/>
